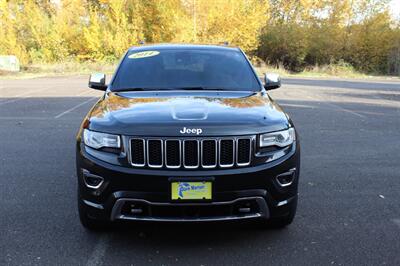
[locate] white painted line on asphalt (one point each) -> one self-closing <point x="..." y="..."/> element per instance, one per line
<point x="99" y="251"/>
<point x="21" y="96"/>
<point x="297" y="105"/>
<point x="345" y="110"/>
<point x="324" y="101"/>
<point x="397" y="221"/>
<point x="84" y="93"/>
<point x="23" y="118"/>
<point x="16" y="118"/>
<point x="73" y="108"/>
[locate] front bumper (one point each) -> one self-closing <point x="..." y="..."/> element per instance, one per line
<point x="189" y="212"/>
<point x="138" y="194"/>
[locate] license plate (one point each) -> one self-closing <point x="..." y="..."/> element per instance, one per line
<point x="191" y="190"/>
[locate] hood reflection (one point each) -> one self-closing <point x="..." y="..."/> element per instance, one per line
<point x="179" y="104"/>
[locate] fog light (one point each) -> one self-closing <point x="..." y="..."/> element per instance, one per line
<point x="245" y="207"/>
<point x="135" y="209"/>
<point x="286" y="179"/>
<point x="244" y="210"/>
<point x="92" y="181"/>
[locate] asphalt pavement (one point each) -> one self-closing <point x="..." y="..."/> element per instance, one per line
<point x="349" y="192"/>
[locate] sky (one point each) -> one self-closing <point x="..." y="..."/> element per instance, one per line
<point x="395" y="8"/>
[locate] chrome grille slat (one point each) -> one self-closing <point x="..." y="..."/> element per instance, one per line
<point x="204" y="165"/>
<point x="208" y="153"/>
<point x="173" y="166"/>
<point x="141" y="148"/>
<point x="185" y="157"/>
<point x="222" y="152"/>
<point x="238" y="151"/>
<point x="161" y="154"/>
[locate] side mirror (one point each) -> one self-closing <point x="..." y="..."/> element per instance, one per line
<point x="97" y="81"/>
<point x="272" y="81"/>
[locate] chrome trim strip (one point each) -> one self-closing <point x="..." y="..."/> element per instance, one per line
<point x="86" y="173"/>
<point x="263" y="211"/>
<point x="198" y="154"/>
<point x="233" y="154"/>
<point x="205" y="219"/>
<point x="162" y="154"/>
<point x="281" y="203"/>
<point x="130" y="152"/>
<point x="290" y="172"/>
<point x="94" y="205"/>
<point x="237" y="151"/>
<point x="180" y="154"/>
<point x="216" y="154"/>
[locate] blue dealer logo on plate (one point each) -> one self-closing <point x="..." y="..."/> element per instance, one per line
<point x="182" y="187"/>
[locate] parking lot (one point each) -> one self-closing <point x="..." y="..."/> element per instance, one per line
<point x="349" y="192"/>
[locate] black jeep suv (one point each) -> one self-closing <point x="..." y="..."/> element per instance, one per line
<point x="186" y="133"/>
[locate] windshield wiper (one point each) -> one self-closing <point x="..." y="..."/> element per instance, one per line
<point x="136" y="89"/>
<point x="199" y="88"/>
<point x="165" y="89"/>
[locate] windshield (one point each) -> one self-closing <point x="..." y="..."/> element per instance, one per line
<point x="171" y="69"/>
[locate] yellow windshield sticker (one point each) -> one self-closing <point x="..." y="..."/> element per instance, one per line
<point x="143" y="54"/>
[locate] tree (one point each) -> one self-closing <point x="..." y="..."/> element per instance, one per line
<point x="238" y="22"/>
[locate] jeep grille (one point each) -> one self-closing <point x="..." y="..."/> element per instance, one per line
<point x="189" y="153"/>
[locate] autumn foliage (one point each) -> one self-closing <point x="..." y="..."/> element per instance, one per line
<point x="294" y="33"/>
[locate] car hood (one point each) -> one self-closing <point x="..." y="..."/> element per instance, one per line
<point x="167" y="113"/>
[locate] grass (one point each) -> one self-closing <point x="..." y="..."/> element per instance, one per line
<point x="60" y="69"/>
<point x="341" y="70"/>
<point x="261" y="69"/>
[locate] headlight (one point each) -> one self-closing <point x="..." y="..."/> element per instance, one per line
<point x="280" y="138"/>
<point x="99" y="140"/>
